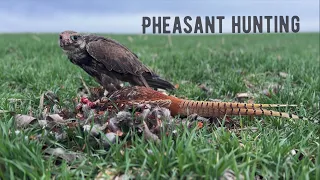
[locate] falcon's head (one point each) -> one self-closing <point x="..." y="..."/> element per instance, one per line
<point x="71" y="40"/>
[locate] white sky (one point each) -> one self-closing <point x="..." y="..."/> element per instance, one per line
<point x="126" y="16"/>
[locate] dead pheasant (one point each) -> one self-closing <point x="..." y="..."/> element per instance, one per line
<point x="181" y="107"/>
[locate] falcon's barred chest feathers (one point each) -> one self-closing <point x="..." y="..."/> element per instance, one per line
<point x="108" y="61"/>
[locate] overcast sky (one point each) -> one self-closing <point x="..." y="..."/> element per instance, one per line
<point x="126" y="16"/>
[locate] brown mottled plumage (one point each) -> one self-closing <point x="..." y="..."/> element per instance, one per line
<point x="108" y="61"/>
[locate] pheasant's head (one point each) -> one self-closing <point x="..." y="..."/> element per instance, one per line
<point x="71" y="40"/>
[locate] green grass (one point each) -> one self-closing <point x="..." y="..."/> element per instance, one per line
<point x="31" y="64"/>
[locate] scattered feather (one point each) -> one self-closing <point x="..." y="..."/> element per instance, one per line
<point x="23" y="121"/>
<point x="148" y="135"/>
<point x="109" y="139"/>
<point x="93" y="130"/>
<point x="55" y="118"/>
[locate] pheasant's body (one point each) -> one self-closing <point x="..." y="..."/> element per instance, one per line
<point x="183" y="107"/>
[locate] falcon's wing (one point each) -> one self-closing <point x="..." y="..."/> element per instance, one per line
<point x="115" y="56"/>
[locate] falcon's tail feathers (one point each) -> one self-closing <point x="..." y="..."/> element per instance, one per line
<point x="157" y="82"/>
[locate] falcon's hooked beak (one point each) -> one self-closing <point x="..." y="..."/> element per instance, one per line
<point x="64" y="42"/>
<point x="67" y="39"/>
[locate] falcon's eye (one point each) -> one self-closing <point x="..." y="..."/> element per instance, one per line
<point x="75" y="37"/>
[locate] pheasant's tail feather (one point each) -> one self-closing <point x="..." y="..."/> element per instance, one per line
<point x="215" y="109"/>
<point x="257" y="112"/>
<point x="233" y="105"/>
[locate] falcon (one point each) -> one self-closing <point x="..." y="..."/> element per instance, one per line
<point x="109" y="62"/>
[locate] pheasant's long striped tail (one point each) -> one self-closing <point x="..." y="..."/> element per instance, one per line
<point x="215" y="109"/>
<point x="257" y="112"/>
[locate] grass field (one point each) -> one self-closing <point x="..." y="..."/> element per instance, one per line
<point x="31" y="64"/>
